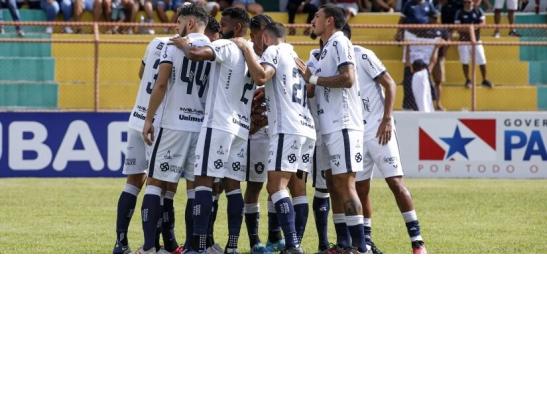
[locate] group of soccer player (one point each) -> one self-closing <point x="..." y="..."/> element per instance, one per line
<point x="221" y="111"/>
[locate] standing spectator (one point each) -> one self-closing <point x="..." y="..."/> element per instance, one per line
<point x="512" y="5"/>
<point x="471" y="14"/>
<point x="302" y="6"/>
<point x="421" y="87"/>
<point x="383" y="6"/>
<point x="14" y="11"/>
<point x="52" y="8"/>
<point x="351" y="7"/>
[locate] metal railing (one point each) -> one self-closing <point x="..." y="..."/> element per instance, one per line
<point x="98" y="40"/>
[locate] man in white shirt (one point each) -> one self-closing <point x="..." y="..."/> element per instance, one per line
<point x="290" y="124"/>
<point x="221" y="150"/>
<point x="136" y="151"/>
<point x="377" y="89"/>
<point x="180" y="90"/>
<point x="340" y="114"/>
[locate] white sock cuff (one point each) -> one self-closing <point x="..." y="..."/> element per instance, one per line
<point x="339" y="218"/>
<point x="251" y="208"/>
<point x="191" y="193"/>
<point x="410" y="216"/>
<point x="234" y="192"/>
<point x="300" y="200"/>
<point x="319" y="194"/>
<point x="352" y="220"/>
<point x="367" y="222"/>
<point x="131" y="189"/>
<point x="169" y="195"/>
<point x="279" y="195"/>
<point x="153" y="190"/>
<point x="161" y="200"/>
<point x="271" y="207"/>
<point x="203" y="188"/>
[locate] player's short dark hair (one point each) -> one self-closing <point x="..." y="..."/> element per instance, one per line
<point x="238" y="14"/>
<point x="347" y="31"/>
<point x="260" y="21"/>
<point x="418" y="65"/>
<point x="276" y="29"/>
<point x="190" y="9"/>
<point x="339" y="15"/>
<point x="212" y="25"/>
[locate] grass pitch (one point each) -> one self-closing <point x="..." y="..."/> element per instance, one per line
<point x="456" y="216"/>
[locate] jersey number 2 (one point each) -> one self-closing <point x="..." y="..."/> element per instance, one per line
<point x="297" y="87"/>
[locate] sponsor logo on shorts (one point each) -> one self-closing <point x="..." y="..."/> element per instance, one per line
<point x="335" y="159"/>
<point x="358" y="157"/>
<point x="218" y="164"/>
<point x="164" y="167"/>
<point x="130" y="161"/>
<point x="291" y="158"/>
<point x="241" y="153"/>
<point x="220" y="151"/>
<point x="393" y="161"/>
<point x="167" y="155"/>
<point x="236" y="166"/>
<point x="306" y="158"/>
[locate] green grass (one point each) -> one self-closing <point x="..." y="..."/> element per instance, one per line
<point x="457" y="216"/>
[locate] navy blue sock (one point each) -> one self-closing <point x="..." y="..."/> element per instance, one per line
<point x="343" y="238"/>
<point x="285" y="214"/>
<point x="355" y="228"/>
<point x="126" y="207"/>
<point x="203" y="204"/>
<point x="168" y="223"/>
<point x="211" y="231"/>
<point x="151" y="214"/>
<point x="252" y="218"/>
<point x="188" y="218"/>
<point x="235" y="216"/>
<point x="412" y="225"/>
<point x="367" y="226"/>
<point x="301" y="211"/>
<point x="274" y="229"/>
<point x="321" y="208"/>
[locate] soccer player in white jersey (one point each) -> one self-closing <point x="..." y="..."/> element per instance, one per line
<point x="180" y="87"/>
<point x="290" y="124"/>
<point x="221" y="150"/>
<point x="136" y="152"/>
<point x="340" y="114"/>
<point x="377" y="89"/>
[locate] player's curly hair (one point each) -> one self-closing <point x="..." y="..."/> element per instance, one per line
<point x="237" y="14"/>
<point x="276" y="29"/>
<point x="213" y="25"/>
<point x="200" y="13"/>
<point x="332" y="10"/>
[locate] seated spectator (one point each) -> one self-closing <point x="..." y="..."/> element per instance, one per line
<point x="163" y="6"/>
<point x="302" y="6"/>
<point x="103" y="7"/>
<point x="148" y="8"/>
<point x="14" y="11"/>
<point x="471" y="14"/>
<point x="351" y="7"/>
<point x="251" y="6"/>
<point x="387" y="6"/>
<point x="86" y="5"/>
<point x="52" y="8"/>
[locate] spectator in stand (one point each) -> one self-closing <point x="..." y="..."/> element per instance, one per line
<point x="80" y="6"/>
<point x="14" y="11"/>
<point x="52" y="8"/>
<point x="302" y="6"/>
<point x="104" y="7"/>
<point x="383" y="6"/>
<point x="512" y="5"/>
<point x="251" y="6"/>
<point x="351" y="7"/>
<point x="471" y="14"/>
<point x="162" y="6"/>
<point x="148" y="7"/>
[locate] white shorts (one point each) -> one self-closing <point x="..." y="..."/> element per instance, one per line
<point x="345" y="151"/>
<point x="257" y="149"/>
<point x="418" y="51"/>
<point x="220" y="154"/>
<point x="286" y="152"/>
<point x="385" y="157"/>
<point x="173" y="155"/>
<point x="306" y="164"/>
<point x="318" y="173"/>
<point x="465" y="54"/>
<point x="511" y="4"/>
<point x="352" y="7"/>
<point x="137" y="154"/>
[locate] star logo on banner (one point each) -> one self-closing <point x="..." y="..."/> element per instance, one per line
<point x="457" y="144"/>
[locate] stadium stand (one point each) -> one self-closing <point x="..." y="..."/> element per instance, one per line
<point x="60" y="75"/>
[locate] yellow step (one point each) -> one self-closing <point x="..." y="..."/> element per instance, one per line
<point x="112" y="96"/>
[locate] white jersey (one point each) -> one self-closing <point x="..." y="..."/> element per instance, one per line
<point x="184" y="101"/>
<point x="151" y="61"/>
<point x="312" y="63"/>
<point x="286" y="97"/>
<point x="337" y="108"/>
<point x="231" y="91"/>
<point x="369" y="68"/>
